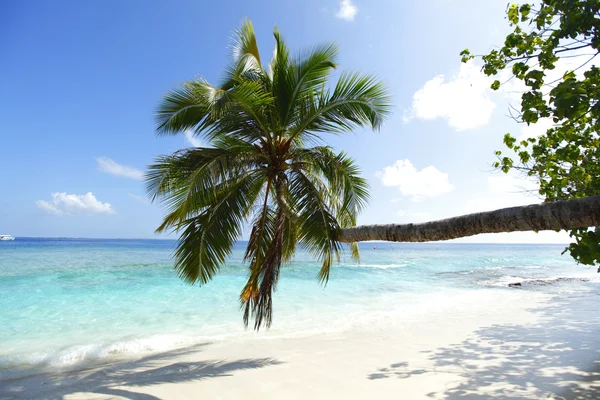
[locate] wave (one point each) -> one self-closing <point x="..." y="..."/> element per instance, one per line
<point x="88" y="353"/>
<point x="546" y="281"/>
<point x="519" y="281"/>
<point x="378" y="266"/>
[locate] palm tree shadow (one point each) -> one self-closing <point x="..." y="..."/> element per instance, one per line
<point x="557" y="358"/>
<point x="109" y="379"/>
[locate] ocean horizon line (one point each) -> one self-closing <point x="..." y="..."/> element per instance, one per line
<point x="454" y="242"/>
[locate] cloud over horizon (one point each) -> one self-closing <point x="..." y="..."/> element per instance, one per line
<point x="74" y="204"/>
<point x="110" y="166"/>
<point x="428" y="182"/>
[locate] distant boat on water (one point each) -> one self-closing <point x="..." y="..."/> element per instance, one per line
<point x="6" y="237"/>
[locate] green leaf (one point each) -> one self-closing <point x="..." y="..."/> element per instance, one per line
<point x="466" y="55"/>
<point x="513" y="14"/>
<point x="565" y="159"/>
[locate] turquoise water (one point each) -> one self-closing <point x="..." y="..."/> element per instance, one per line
<point x="63" y="301"/>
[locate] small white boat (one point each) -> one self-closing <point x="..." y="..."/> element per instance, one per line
<point x="6" y="237"/>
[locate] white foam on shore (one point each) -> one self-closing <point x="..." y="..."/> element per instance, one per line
<point x="80" y="354"/>
<point x="378" y="266"/>
<point x="505" y="280"/>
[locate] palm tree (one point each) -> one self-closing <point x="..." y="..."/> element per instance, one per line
<point x="566" y="214"/>
<point x="264" y="164"/>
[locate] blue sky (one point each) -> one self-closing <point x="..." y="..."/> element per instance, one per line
<point x="81" y="80"/>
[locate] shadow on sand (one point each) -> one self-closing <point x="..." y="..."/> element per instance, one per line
<point x="556" y="358"/>
<point x="107" y="379"/>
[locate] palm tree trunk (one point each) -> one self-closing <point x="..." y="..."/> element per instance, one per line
<point x="566" y="214"/>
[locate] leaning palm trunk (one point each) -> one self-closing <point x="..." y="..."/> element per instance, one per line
<point x="567" y="214"/>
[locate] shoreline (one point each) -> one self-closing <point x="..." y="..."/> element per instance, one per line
<point x="366" y="245"/>
<point x="543" y="348"/>
<point x="407" y="310"/>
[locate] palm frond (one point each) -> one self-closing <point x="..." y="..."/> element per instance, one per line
<point x="318" y="227"/>
<point x="186" y="182"/>
<point x="356" y="100"/>
<point x="257" y="296"/>
<point x="280" y="70"/>
<point x="349" y="192"/>
<point x="207" y="239"/>
<point x="246" y="64"/>
<point x="244" y="42"/>
<point x="308" y="75"/>
<point x="213" y="112"/>
<point x="185" y="108"/>
<point x="272" y="243"/>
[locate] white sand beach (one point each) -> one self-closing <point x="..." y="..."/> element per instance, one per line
<point x="513" y="345"/>
<point x="177" y="171"/>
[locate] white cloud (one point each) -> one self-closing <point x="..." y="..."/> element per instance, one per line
<point x="462" y="100"/>
<point x="139" y="199"/>
<point x="347" y="10"/>
<point x="535" y="130"/>
<point x="193" y="140"/>
<point x="109" y="166"/>
<point x="466" y="101"/>
<point x="504" y="191"/>
<point x="428" y="182"/>
<point x="74" y="204"/>
<point x="418" y="216"/>
<point x="510" y="184"/>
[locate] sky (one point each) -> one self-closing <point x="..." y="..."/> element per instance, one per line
<point x="81" y="81"/>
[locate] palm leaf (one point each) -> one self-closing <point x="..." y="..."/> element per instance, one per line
<point x="246" y="64"/>
<point x="308" y="75"/>
<point x="318" y="227"/>
<point x="356" y="100"/>
<point x="207" y="240"/>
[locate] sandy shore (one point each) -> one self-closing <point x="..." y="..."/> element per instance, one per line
<point x="505" y="349"/>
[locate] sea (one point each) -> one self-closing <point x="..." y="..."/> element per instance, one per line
<point x="64" y="302"/>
